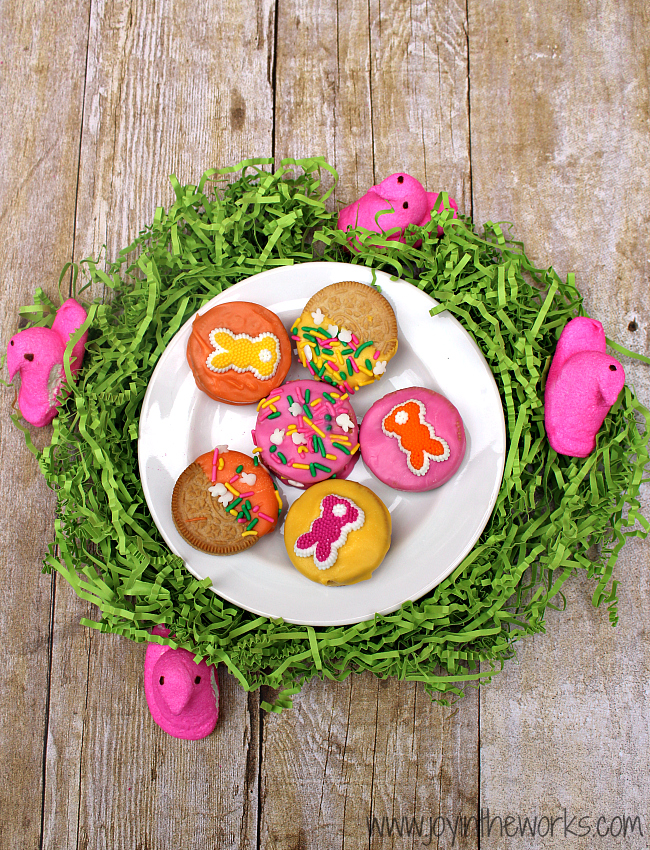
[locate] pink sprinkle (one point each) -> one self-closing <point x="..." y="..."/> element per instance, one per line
<point x="311" y="368"/>
<point x="256" y="508"/>
<point x="293" y="336"/>
<point x="354" y="341"/>
<point x="246" y="495"/>
<point x="354" y="365"/>
<point x="215" y="460"/>
<point x="242" y="519"/>
<point x="375" y="356"/>
<point x="233" y="479"/>
<point x="265" y="516"/>
<point x="348" y="387"/>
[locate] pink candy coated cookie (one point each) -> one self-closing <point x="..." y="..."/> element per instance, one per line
<point x="36" y="354"/>
<point x="413" y="439"/>
<point x="582" y="384"/>
<point x="307" y="432"/>
<point x="183" y="697"/>
<point x="397" y="201"/>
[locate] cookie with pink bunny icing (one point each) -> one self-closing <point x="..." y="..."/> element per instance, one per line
<point x="307" y="432"/>
<point x="413" y="439"/>
<point x="337" y="533"/>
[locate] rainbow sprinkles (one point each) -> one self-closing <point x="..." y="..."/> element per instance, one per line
<point x="335" y="354"/>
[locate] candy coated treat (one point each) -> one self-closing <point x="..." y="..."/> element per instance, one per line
<point x="36" y="354"/>
<point x="338" y="532"/>
<point x="238" y="352"/>
<point x="582" y="384"/>
<point x="346" y="335"/>
<point x="307" y="432"/>
<point x="183" y="696"/>
<point x="396" y="202"/>
<point x="413" y="439"/>
<point x="224" y="502"/>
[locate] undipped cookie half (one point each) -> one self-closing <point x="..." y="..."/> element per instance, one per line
<point x="223" y="503"/>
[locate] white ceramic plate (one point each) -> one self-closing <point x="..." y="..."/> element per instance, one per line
<point x="432" y="532"/>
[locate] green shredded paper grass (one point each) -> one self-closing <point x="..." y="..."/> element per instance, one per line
<point x="554" y="516"/>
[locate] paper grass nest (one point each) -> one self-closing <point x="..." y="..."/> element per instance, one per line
<point x="554" y="515"/>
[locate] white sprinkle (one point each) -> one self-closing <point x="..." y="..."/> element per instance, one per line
<point x="277" y="436"/>
<point x="318" y="316"/>
<point x="380" y="367"/>
<point x="344" y="421"/>
<point x="248" y="478"/>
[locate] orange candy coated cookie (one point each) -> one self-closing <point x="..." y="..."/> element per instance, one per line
<point x="238" y="352"/>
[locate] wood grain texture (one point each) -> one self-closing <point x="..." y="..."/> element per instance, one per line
<point x="322" y="105"/>
<point x="355" y="82"/>
<point x="363" y="749"/>
<point x="41" y="90"/>
<point x="170" y="88"/>
<point x="564" y="89"/>
<point x="419" y="83"/>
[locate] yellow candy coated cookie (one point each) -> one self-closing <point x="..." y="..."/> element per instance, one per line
<point x="337" y="532"/>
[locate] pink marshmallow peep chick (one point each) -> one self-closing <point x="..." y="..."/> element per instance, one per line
<point x="399" y="200"/>
<point x="583" y="383"/>
<point x="183" y="696"/>
<point x="36" y="354"/>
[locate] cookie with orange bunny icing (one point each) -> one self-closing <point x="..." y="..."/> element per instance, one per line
<point x="238" y="352"/>
<point x="224" y="502"/>
<point x="413" y="439"/>
<point x="346" y="335"/>
<point x="337" y="532"/>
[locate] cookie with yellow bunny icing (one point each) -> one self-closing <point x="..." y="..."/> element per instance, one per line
<point x="337" y="532"/>
<point x="238" y="352"/>
<point x="346" y="335"/>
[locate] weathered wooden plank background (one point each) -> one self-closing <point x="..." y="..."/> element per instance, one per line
<point x="528" y="111"/>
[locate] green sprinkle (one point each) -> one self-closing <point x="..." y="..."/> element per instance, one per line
<point x="322" y="467"/>
<point x="312" y="469"/>
<point x="251" y="525"/>
<point x="233" y="505"/>
<point x="328" y="418"/>
<point x="282" y="457"/>
<point x="308" y="412"/>
<point x="290" y="400"/>
<point x="328" y="427"/>
<point x="321" y="370"/>
<point x="256" y="459"/>
<point x="348" y="351"/>
<point x="317" y="349"/>
<point x="273" y="449"/>
<point x="368" y="365"/>
<point x="361" y="347"/>
<point x="310" y="338"/>
<point x="274" y="415"/>
<point x="341" y="447"/>
<point x="350" y="369"/>
<point x="247" y="504"/>
<point x="239" y="469"/>
<point x="329" y="381"/>
<point x="343" y="376"/>
<point x="307" y="395"/>
<point x="330" y="398"/>
<point x="328" y="351"/>
<point x="325" y="333"/>
<point x="294" y="331"/>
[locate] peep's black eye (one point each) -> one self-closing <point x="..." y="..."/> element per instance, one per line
<point x="405" y="205"/>
<point x="29" y="357"/>
<point x="12" y="342"/>
<point x="197" y="680"/>
<point x="400" y="179"/>
<point x="612" y="368"/>
<point x="162" y="680"/>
